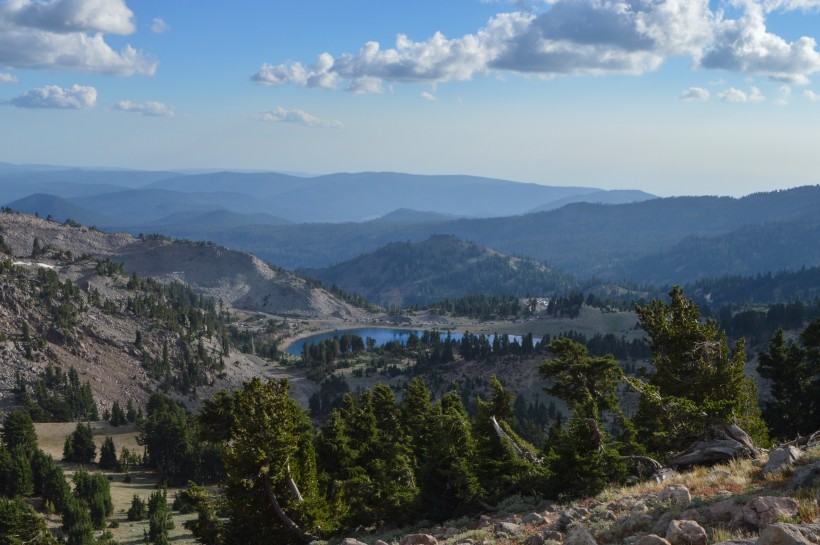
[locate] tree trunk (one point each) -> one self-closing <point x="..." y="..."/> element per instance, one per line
<point x="286" y="520"/>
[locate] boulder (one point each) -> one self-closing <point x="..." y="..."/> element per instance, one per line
<point x="652" y="539"/>
<point x="578" y="535"/>
<point x="726" y="511"/>
<point x="737" y="542"/>
<point x="765" y="510"/>
<point x="685" y="532"/>
<point x="677" y="494"/>
<point x="535" y="539"/>
<point x="568" y="516"/>
<point x="690" y="514"/>
<point x="552" y="535"/>
<point x="380" y="542"/>
<point x="352" y="541"/>
<point x="782" y="457"/>
<point x="662" y="524"/>
<point x="533" y="518"/>
<point x="543" y="536"/>
<point x="418" y="539"/>
<point x="509" y="528"/>
<point x="790" y="534"/>
<point x="806" y="475"/>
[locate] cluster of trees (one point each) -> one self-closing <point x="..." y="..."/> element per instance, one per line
<point x="26" y="472"/>
<point x="173" y="446"/>
<point x="480" y="306"/>
<point x="57" y="396"/>
<point x="378" y="459"/>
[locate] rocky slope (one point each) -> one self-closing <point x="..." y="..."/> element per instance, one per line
<point x="773" y="500"/>
<point x="86" y="324"/>
<point x="237" y="278"/>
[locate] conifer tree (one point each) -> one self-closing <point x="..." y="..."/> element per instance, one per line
<point x="794" y="371"/>
<point x="696" y="381"/>
<point x="108" y="454"/>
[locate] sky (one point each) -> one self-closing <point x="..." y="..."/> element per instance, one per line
<point x="674" y="97"/>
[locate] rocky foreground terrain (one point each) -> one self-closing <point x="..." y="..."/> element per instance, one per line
<point x="772" y="500"/>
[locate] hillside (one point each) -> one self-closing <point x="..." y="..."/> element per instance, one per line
<point x="68" y="312"/>
<point x="237" y="278"/>
<point x="405" y="274"/>
<point x="615" y="196"/>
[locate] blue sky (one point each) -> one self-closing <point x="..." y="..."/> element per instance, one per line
<point x="670" y="96"/>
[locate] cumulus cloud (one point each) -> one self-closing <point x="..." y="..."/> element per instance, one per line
<point x="744" y="45"/>
<point x="572" y="37"/>
<point x="7" y="78"/>
<point x="77" y="97"/>
<point x="695" y="94"/>
<point x="149" y="109"/>
<point x="736" y="95"/>
<point x="811" y="95"/>
<point x="300" y="117"/>
<point x="159" y="26"/>
<point x="69" y="35"/>
<point x="428" y="96"/>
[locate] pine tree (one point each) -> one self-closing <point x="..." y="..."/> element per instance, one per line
<point x="108" y="454"/>
<point x="795" y="374"/>
<point x="138" y="509"/>
<point x="79" y="447"/>
<point x="117" y="415"/>
<point x="697" y="381"/>
<point x="272" y="487"/>
<point x="18" y="432"/>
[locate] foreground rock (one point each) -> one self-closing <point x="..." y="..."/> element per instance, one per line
<point x="781" y="458"/>
<point x="764" y="510"/>
<point x="418" y="539"/>
<point x="790" y="534"/>
<point x="806" y="476"/>
<point x="685" y="532"/>
<point x="578" y="535"/>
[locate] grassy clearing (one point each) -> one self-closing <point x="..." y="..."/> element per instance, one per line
<point x="52" y="436"/>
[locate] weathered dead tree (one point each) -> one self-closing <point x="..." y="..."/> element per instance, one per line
<point x="730" y="443"/>
<point x="523" y="454"/>
<point x="277" y="507"/>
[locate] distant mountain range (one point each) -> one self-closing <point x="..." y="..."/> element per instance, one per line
<point x="316" y="222"/>
<point x="135" y="198"/>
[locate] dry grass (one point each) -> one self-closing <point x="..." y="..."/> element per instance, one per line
<point x="52" y="436"/>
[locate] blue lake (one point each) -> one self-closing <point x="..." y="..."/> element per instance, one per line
<point x="381" y="335"/>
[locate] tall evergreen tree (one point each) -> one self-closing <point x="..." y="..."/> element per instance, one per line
<point x="794" y="372"/>
<point x="696" y="379"/>
<point x="272" y="488"/>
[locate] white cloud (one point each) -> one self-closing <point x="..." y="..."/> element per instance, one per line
<point x="69" y="35"/>
<point x="428" y="96"/>
<point x="811" y="95"/>
<point x="300" y="117"/>
<point x="695" y="94"/>
<point x="77" y="97"/>
<point x="150" y="108"/>
<point x="159" y="26"/>
<point x="791" y="5"/>
<point x="573" y="37"/>
<point x="744" y="45"/>
<point x="736" y="95"/>
<point x="7" y="78"/>
<point x="784" y="93"/>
